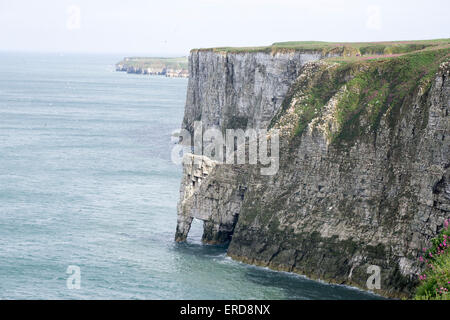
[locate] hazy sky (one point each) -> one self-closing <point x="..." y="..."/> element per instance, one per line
<point x="173" y="27"/>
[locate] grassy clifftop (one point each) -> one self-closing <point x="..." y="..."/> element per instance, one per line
<point x="347" y="49"/>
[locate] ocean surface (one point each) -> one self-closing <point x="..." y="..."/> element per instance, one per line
<point x="86" y="180"/>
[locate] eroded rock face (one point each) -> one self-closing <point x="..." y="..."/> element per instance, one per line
<point x="239" y="90"/>
<point x="211" y="193"/>
<point x="332" y="210"/>
<point x="228" y="91"/>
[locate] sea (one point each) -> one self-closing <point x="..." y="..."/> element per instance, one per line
<point x="88" y="191"/>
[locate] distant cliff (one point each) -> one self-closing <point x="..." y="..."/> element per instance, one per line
<point x="364" y="175"/>
<point x="169" y="67"/>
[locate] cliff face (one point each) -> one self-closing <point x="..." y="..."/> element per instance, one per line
<point x="364" y="163"/>
<point x="229" y="91"/>
<point x="239" y="90"/>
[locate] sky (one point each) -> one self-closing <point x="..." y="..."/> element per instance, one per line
<point x="173" y="27"/>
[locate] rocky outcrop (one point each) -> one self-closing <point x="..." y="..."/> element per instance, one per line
<point x="176" y="73"/>
<point x="364" y="163"/>
<point x="215" y="201"/>
<point x="169" y="67"/>
<point x="240" y="90"/>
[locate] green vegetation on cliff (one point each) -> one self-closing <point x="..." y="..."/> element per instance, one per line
<point x="347" y="49"/>
<point x="364" y="90"/>
<point x="382" y="86"/>
<point x="435" y="281"/>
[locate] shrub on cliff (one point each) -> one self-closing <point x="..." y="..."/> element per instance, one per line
<point x="435" y="280"/>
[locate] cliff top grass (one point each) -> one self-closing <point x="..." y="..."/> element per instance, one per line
<point x="355" y="50"/>
<point x="157" y="62"/>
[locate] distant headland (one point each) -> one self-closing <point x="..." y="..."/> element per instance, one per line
<point x="169" y="67"/>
